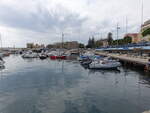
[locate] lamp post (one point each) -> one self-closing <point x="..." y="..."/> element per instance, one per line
<point x="117" y="33"/>
<point x="142" y="6"/>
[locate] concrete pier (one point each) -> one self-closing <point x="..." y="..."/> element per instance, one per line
<point x="135" y="60"/>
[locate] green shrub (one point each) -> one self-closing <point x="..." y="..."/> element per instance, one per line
<point x="146" y="32"/>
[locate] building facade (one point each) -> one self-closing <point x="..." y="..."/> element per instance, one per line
<point x="138" y="37"/>
<point x="134" y="36"/>
<point x="32" y="45"/>
<point x="144" y="27"/>
<point x="71" y="45"/>
<point x="67" y="45"/>
<point x="102" y="43"/>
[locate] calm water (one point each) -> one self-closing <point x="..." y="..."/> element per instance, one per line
<point x="36" y="86"/>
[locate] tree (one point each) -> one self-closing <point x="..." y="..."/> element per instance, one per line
<point x="93" y="42"/>
<point x="89" y="43"/>
<point x="146" y="32"/>
<point x="127" y="40"/>
<point x="124" y="41"/>
<point x="109" y="38"/>
<point x="114" y="42"/>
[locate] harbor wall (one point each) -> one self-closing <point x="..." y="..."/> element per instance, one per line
<point x="126" y="59"/>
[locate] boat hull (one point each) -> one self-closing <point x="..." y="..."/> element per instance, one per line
<point x="53" y="57"/>
<point x="105" y="66"/>
<point x="58" y="57"/>
<point x="42" y="57"/>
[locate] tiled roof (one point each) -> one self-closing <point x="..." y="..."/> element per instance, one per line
<point x="132" y="34"/>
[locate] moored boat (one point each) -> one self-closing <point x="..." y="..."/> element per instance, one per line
<point x="104" y="64"/>
<point x="86" y="61"/>
<point x="42" y="57"/>
<point x="53" y="57"/>
<point x="30" y="54"/>
<point x="61" y="57"/>
<point x="57" y="55"/>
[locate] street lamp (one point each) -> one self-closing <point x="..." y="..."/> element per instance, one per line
<point x="142" y="12"/>
<point x="117" y="32"/>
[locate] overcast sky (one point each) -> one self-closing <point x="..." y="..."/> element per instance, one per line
<point x="43" y="21"/>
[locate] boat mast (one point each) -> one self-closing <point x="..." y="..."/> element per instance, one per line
<point x="117" y="33"/>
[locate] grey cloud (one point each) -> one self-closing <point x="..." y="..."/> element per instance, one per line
<point x="39" y="21"/>
<point x="44" y="20"/>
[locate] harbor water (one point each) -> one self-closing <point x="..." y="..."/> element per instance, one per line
<point x="52" y="86"/>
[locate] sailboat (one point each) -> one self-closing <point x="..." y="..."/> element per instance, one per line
<point x="58" y="54"/>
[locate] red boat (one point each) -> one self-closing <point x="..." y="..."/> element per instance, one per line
<point x="53" y="57"/>
<point x="61" y="57"/>
<point x="58" y="57"/>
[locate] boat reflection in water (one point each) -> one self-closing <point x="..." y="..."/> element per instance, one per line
<point x="2" y="67"/>
<point x="117" y="71"/>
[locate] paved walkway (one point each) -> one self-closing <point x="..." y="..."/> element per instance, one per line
<point x="138" y="60"/>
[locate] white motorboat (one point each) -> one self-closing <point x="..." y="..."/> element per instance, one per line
<point x="110" y="59"/>
<point x="52" y="53"/>
<point x="89" y="54"/>
<point x="86" y="62"/>
<point x="30" y="55"/>
<point x="104" y="64"/>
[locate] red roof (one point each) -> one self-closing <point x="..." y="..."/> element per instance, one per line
<point x="132" y="34"/>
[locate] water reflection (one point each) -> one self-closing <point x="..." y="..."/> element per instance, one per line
<point x="29" y="59"/>
<point x="115" y="71"/>
<point x="145" y="80"/>
<point x="2" y="67"/>
<point x="45" y="86"/>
